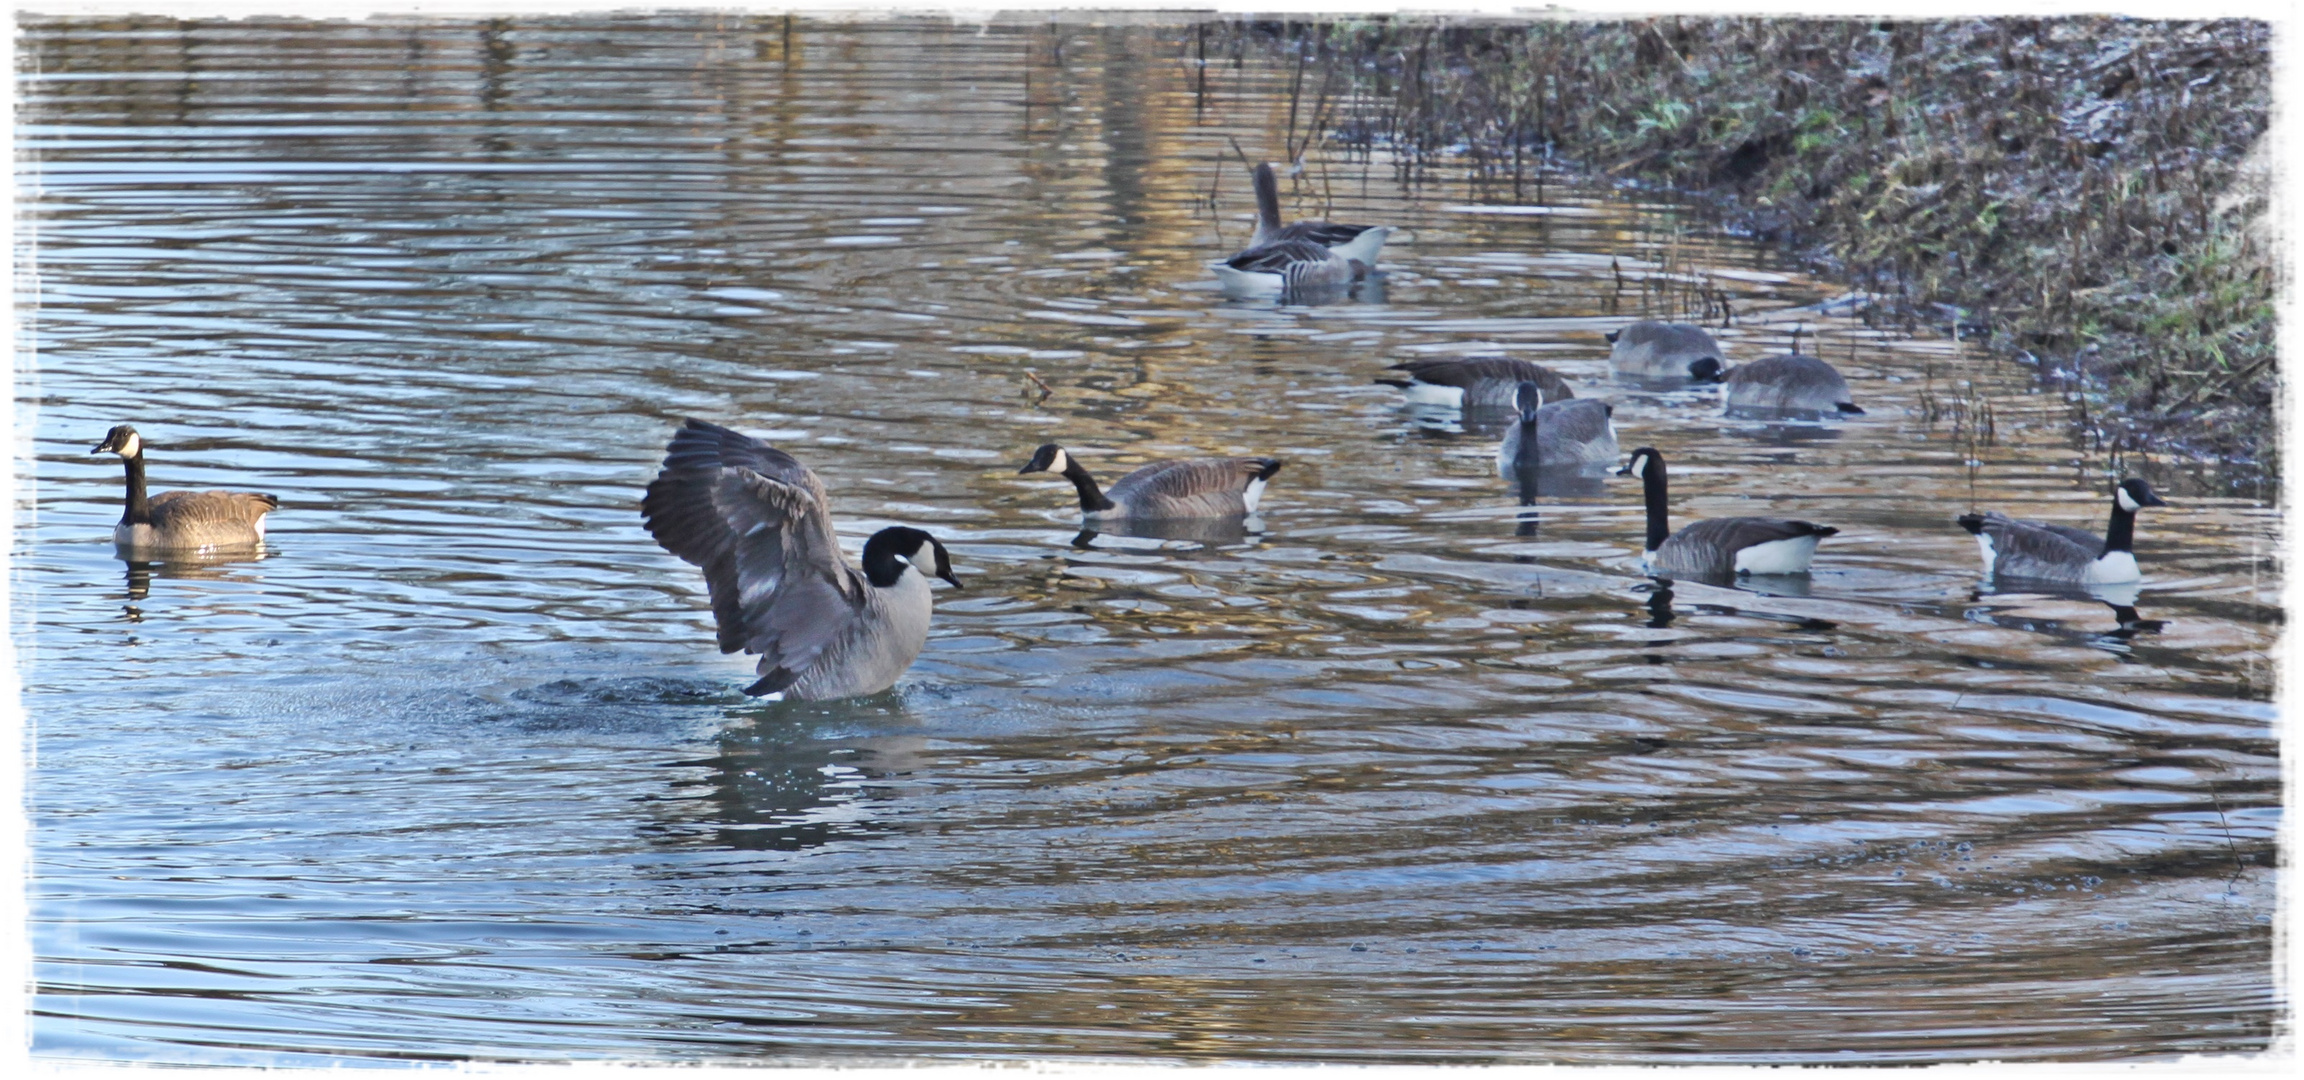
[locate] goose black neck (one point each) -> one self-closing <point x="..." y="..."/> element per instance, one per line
<point x="139" y="510"/>
<point x="881" y="565"/>
<point x="2121" y="534"/>
<point x="1092" y="498"/>
<point x="1652" y="481"/>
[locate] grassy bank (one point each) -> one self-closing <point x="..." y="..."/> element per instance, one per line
<point x="2075" y="188"/>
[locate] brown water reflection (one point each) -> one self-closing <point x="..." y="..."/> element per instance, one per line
<point x="1405" y="771"/>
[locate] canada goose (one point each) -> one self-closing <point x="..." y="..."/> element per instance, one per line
<point x="1661" y="350"/>
<point x="2043" y="552"/>
<point x="1719" y="547"/>
<point x="182" y="521"/>
<point x="1562" y="435"/>
<point x="755" y="519"/>
<point x="1789" y="383"/>
<point x="1357" y="243"/>
<point x="1287" y="268"/>
<point x="1480" y="382"/>
<point x="1186" y="488"/>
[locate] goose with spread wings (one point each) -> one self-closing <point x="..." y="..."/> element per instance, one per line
<point x="755" y="519"/>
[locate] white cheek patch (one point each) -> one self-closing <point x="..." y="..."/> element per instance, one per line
<point x="1640" y="466"/>
<point x="1254" y="495"/>
<point x="1059" y="463"/>
<point x="133" y="447"/>
<point x="2128" y="503"/>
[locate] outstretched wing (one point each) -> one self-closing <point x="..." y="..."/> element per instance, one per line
<point x="753" y="518"/>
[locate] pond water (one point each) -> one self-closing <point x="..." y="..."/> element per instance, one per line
<point x="1410" y="774"/>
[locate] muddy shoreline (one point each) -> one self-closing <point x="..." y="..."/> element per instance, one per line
<point x="2083" y="195"/>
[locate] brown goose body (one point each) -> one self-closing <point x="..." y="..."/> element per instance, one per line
<point x="1661" y="350"/>
<point x="1789" y="383"/>
<point x="1479" y="382"/>
<point x="1183" y="488"/>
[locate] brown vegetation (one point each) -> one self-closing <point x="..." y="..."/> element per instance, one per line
<point x="2073" y="188"/>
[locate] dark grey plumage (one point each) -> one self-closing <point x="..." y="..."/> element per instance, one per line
<point x="1574" y="434"/>
<point x="1717" y="548"/>
<point x="2040" y="551"/>
<point x="1184" y="488"/>
<point x="1356" y="243"/>
<point x="1788" y="383"/>
<point x="1711" y="548"/>
<point x="181" y="522"/>
<point x="1292" y="266"/>
<point x="755" y="520"/>
<point x="1661" y="350"/>
<point x="1480" y="382"/>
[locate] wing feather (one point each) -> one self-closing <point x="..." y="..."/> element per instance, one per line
<point x="204" y="511"/>
<point x="2035" y="549"/>
<point x="1279" y="255"/>
<point x="753" y="518"/>
<point x="1327" y="234"/>
<point x="1484" y="376"/>
<point x="1191" y="487"/>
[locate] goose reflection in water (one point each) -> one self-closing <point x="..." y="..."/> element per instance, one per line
<point x="1208" y="532"/>
<point x="1782" y="427"/>
<point x="1661" y="612"/>
<point x="2016" y="593"/>
<point x="204" y="566"/>
<point x="798" y="775"/>
<point x="1531" y="483"/>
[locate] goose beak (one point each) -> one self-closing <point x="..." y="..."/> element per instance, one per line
<point x="946" y="574"/>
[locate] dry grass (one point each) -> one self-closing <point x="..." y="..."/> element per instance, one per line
<point x="2071" y="189"/>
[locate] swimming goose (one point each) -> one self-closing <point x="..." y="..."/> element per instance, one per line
<point x="1480" y="382"/>
<point x="2042" y="552"/>
<point x="1186" y="488"/>
<point x="1661" y="350"/>
<point x="1789" y="383"/>
<point x="1287" y="268"/>
<point x="755" y="519"/>
<point x="1719" y="547"/>
<point x="1357" y="243"/>
<point x="1562" y="435"/>
<point x="181" y="521"/>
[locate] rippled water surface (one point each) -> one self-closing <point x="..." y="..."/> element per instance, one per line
<point x="1407" y="775"/>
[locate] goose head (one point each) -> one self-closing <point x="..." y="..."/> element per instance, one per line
<point x="892" y="549"/>
<point x="1529" y="397"/>
<point x="1706" y="369"/>
<point x="1641" y="460"/>
<point x="2132" y="495"/>
<point x="121" y="440"/>
<point x="1049" y="458"/>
